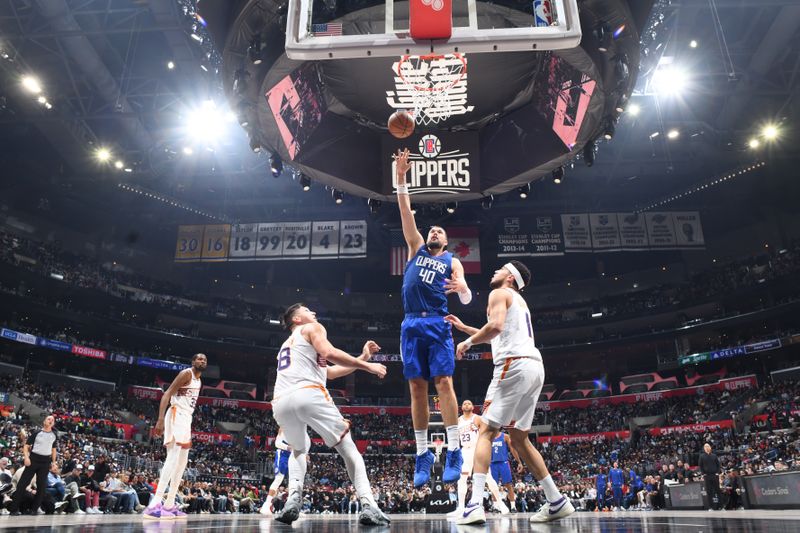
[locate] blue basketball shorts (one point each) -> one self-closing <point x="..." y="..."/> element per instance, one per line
<point x="501" y="472"/>
<point x="281" y="463"/>
<point x="426" y="346"/>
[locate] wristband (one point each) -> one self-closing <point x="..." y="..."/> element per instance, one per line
<point x="468" y="343"/>
<point x="465" y="297"/>
<point x="402" y="189"/>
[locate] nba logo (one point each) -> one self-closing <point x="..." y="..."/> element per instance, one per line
<point x="542" y="12"/>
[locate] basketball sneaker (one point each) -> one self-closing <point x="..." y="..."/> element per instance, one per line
<point x="290" y="511"/>
<point x="372" y="516"/>
<point x="422" y="469"/>
<point x="175" y="511"/>
<point x="266" y="510"/>
<point x="554" y="511"/>
<point x="157" y="512"/>
<point x="455" y="515"/>
<point x="473" y="514"/>
<point x="452" y="466"/>
<point x="500" y="507"/>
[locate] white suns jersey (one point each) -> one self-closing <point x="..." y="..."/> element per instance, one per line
<point x="516" y="339"/>
<point x="280" y="442"/>
<point x="186" y="397"/>
<point x="468" y="431"/>
<point x="299" y="365"/>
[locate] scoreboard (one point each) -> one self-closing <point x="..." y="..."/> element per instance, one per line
<point x="271" y="241"/>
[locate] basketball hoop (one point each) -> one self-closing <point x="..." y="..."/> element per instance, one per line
<point x="438" y="443"/>
<point x="435" y="83"/>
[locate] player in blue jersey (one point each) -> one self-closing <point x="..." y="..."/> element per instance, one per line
<point x="426" y="340"/>
<point x="500" y="468"/>
<point x="601" y="482"/>
<point x="617" y="478"/>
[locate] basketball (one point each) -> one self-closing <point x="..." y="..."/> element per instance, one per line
<point x="401" y="124"/>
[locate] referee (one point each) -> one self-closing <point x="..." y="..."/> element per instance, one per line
<point x="710" y="467"/>
<point x="39" y="452"/>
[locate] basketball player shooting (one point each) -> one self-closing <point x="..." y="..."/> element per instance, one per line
<point x="426" y="341"/>
<point x="301" y="400"/>
<point x="514" y="390"/>
<point x="175" y="422"/>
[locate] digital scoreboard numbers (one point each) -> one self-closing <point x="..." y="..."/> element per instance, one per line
<point x="270" y="241"/>
<point x="190" y="243"/>
<point x="325" y="239"/>
<point x="353" y="238"/>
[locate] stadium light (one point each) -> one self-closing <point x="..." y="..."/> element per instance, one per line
<point x="31" y="84"/>
<point x="338" y="196"/>
<point x="305" y="182"/>
<point x="170" y="65"/>
<point x="673" y="134"/>
<point x="487" y="201"/>
<point x="669" y="81"/>
<point x="275" y="165"/>
<point x="119" y="165"/>
<point x="770" y="132"/>
<point x="754" y="143"/>
<point x="524" y="190"/>
<point x="374" y="205"/>
<point x="206" y="123"/>
<point x="692" y="44"/>
<point x="187" y="150"/>
<point x="103" y="155"/>
<point x="634" y="109"/>
<point x="558" y="175"/>
<point x="450" y="207"/>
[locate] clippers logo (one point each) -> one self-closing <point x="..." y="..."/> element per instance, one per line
<point x="436" y="171"/>
<point x="437" y="5"/>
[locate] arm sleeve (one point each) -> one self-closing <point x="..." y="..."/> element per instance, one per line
<point x="32" y="438"/>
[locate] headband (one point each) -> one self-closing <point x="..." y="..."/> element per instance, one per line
<point x="517" y="276"/>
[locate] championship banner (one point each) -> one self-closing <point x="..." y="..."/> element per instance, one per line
<point x="632" y="231"/>
<point x="605" y="231"/>
<point x="660" y="230"/>
<point x="267" y="241"/>
<point x="464" y="243"/>
<point x="577" y="233"/>
<point x="538" y="236"/>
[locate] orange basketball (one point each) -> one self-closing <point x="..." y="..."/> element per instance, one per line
<point x="401" y="124"/>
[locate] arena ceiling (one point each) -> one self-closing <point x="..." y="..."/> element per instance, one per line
<point x="103" y="67"/>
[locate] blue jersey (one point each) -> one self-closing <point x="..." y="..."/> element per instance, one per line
<point x="617" y="476"/>
<point x="423" y="283"/>
<point x="499" y="449"/>
<point x="601" y="482"/>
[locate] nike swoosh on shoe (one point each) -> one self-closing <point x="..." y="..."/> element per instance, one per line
<point x="563" y="503"/>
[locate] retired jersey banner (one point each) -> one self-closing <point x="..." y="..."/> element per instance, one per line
<point x="464" y="244"/>
<point x="270" y="241"/>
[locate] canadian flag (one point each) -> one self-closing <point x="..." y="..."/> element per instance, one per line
<point x="464" y="243"/>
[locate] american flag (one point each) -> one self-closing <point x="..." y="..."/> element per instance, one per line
<point x="331" y="29"/>
<point x="399" y="255"/>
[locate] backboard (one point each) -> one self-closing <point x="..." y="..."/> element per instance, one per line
<point x="327" y="29"/>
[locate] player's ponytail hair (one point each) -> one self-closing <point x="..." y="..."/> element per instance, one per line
<point x="286" y="319"/>
<point x="524" y="272"/>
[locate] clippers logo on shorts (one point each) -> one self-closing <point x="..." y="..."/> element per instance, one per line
<point x="435" y="170"/>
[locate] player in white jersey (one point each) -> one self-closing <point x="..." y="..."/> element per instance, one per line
<point x="280" y="470"/>
<point x="301" y="400"/>
<point x="513" y="392"/>
<point x="468" y="427"/>
<point x="175" y="422"/>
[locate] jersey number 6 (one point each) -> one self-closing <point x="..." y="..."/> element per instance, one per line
<point x="284" y="359"/>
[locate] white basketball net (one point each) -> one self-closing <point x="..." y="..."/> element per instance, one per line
<point x="435" y="85"/>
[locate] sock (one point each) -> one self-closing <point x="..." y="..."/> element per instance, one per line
<point x="267" y="503"/>
<point x="177" y="474"/>
<point x="297" y="471"/>
<point x="452" y="438"/>
<point x="550" y="489"/>
<point x="166" y="474"/>
<point x="493" y="489"/>
<point x="356" y="469"/>
<point x="462" y="491"/>
<point x="478" y="486"/>
<point x="421" y="436"/>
